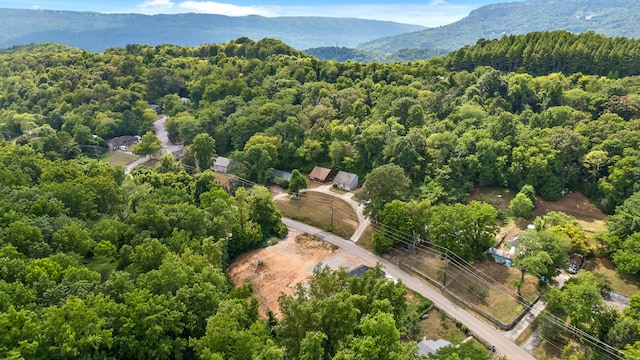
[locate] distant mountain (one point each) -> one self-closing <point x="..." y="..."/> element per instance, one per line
<point x="96" y="31"/>
<point x="609" y="17"/>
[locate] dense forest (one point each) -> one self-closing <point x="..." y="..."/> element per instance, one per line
<point x="540" y="53"/>
<point x="86" y="251"/>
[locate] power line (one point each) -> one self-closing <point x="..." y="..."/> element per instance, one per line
<point x="400" y="237"/>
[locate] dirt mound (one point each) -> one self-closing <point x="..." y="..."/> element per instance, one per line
<point x="277" y="269"/>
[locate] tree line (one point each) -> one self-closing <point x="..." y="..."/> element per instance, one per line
<point x="541" y="53"/>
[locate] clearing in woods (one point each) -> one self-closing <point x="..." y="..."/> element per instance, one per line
<point x="277" y="269"/>
<point x="320" y="210"/>
<point x="574" y="204"/>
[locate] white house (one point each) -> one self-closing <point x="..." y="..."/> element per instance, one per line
<point x="222" y="164"/>
<point x="346" y="181"/>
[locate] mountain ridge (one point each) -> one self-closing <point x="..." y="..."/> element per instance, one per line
<point x="97" y="31"/>
<point x="613" y="18"/>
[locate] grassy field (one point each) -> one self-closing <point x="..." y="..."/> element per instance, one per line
<point x="577" y="205"/>
<point x="499" y="301"/>
<point x="628" y="285"/>
<point x="320" y="210"/>
<point x="365" y="240"/>
<point x="119" y="158"/>
<point x="498" y="197"/>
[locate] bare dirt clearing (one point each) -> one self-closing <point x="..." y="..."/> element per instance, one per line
<point x="578" y="206"/>
<point x="284" y="265"/>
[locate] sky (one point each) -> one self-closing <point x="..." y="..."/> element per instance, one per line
<point x="428" y="13"/>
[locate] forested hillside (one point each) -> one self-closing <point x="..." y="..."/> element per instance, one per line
<point x="558" y="51"/>
<point x="612" y="18"/>
<point x="97" y="264"/>
<point x="97" y="32"/>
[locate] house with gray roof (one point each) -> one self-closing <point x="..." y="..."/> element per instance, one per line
<point x="346" y="181"/>
<point x="222" y="164"/>
<point x="426" y="347"/>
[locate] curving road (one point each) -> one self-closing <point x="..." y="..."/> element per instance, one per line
<point x="161" y="133"/>
<point x="479" y="328"/>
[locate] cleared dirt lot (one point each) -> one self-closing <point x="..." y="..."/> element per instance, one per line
<point x="284" y="265"/>
<point x="578" y="206"/>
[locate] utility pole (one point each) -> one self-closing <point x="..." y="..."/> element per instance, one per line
<point x="446" y="260"/>
<point x="332" y="213"/>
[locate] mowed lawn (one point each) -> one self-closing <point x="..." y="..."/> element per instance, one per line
<point x="627" y="285"/>
<point x="119" y="158"/>
<point x="320" y="210"/>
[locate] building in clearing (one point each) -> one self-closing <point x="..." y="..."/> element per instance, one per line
<point x="320" y="174"/>
<point x="222" y="164"/>
<point x="346" y="181"/>
<point x="117" y="143"/>
<point x="426" y="347"/>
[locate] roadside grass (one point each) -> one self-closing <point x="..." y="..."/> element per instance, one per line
<point x="119" y="158"/>
<point x="546" y="350"/>
<point x="439" y="326"/>
<point x="498" y="301"/>
<point x="322" y="211"/>
<point x="366" y="238"/>
<point x="334" y="189"/>
<point x="526" y="334"/>
<point x="627" y="285"/>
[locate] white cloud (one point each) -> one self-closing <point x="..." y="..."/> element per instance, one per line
<point x="211" y="7"/>
<point x="156" y="4"/>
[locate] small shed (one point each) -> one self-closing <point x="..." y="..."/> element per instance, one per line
<point x="426" y="347"/>
<point x="346" y="181"/>
<point x="502" y="256"/>
<point x="222" y="164"/>
<point x="320" y="174"/>
<point x="279" y="174"/>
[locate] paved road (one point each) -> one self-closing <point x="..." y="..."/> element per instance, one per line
<point x="358" y="208"/>
<point x="161" y="133"/>
<point x="479" y="328"/>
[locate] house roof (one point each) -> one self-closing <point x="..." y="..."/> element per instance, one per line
<point x="222" y="161"/>
<point x="426" y="347"/>
<point x="320" y="173"/>
<point x="344" y="177"/>
<point x="359" y="271"/>
<point x="502" y="253"/>
<point x="282" y="174"/>
<point x="123" y="140"/>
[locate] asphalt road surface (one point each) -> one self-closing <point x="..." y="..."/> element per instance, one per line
<point x="163" y="136"/>
<point x="479" y="328"/>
